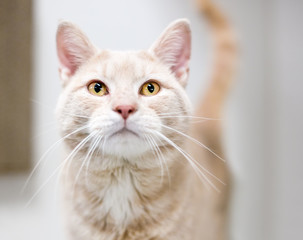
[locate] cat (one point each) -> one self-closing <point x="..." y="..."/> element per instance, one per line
<point x="138" y="165"/>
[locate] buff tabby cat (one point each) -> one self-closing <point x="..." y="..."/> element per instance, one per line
<point x="132" y="172"/>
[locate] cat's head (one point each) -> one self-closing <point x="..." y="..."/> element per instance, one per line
<point x="123" y="103"/>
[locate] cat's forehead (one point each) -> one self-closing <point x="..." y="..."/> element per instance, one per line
<point x="126" y="66"/>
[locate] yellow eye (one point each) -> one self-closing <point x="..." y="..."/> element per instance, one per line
<point x="150" y="89"/>
<point x="97" y="88"/>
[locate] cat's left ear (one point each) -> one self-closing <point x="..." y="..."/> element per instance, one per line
<point x="73" y="49"/>
<point x="173" y="48"/>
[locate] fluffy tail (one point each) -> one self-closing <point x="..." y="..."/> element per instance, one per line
<point x="225" y="54"/>
<point x="209" y="132"/>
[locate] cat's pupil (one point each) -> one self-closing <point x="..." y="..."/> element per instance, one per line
<point x="151" y="88"/>
<point x="97" y="87"/>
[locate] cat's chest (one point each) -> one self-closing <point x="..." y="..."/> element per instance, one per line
<point x="119" y="197"/>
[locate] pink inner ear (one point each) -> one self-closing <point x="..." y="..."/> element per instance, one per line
<point x="173" y="48"/>
<point x="182" y="58"/>
<point x="73" y="48"/>
<point x="66" y="60"/>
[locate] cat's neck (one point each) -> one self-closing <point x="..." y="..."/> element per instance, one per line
<point x="126" y="194"/>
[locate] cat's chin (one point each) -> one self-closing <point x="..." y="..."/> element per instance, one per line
<point x="124" y="134"/>
<point x="126" y="144"/>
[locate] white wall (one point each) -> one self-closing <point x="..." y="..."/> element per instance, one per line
<point x="263" y="128"/>
<point x="285" y="116"/>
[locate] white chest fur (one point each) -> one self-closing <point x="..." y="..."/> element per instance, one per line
<point x="119" y="196"/>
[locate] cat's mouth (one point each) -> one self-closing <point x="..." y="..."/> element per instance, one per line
<point x="124" y="132"/>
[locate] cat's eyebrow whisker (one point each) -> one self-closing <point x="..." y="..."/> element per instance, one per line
<point x="192" y="162"/>
<point x="194" y="140"/>
<point x="51" y="148"/>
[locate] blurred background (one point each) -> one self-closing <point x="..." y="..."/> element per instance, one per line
<point x="263" y="127"/>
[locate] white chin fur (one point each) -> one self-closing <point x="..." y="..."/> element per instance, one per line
<point x="125" y="145"/>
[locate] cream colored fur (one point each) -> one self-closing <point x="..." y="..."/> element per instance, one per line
<point x="142" y="177"/>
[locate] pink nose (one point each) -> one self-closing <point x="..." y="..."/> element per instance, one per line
<point x="125" y="110"/>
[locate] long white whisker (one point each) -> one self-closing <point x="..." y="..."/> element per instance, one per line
<point x="52" y="147"/>
<point x="155" y="153"/>
<point x="88" y="155"/>
<point x="162" y="159"/>
<point x="196" y="162"/>
<point x="103" y="146"/>
<point x="97" y="153"/>
<point x="77" y="115"/>
<point x="76" y="150"/>
<point x="198" y="121"/>
<point x="189" y="158"/>
<point x="194" y="140"/>
<point x="191" y="117"/>
<point x="71" y="156"/>
<point x="56" y="169"/>
<point x="172" y="113"/>
<point x="41" y="133"/>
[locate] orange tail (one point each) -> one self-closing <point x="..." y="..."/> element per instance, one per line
<point x="225" y="54"/>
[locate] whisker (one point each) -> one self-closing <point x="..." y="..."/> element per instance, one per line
<point x="194" y="140"/>
<point x="202" y="145"/>
<point x="155" y="153"/>
<point x="76" y="150"/>
<point x="71" y="156"/>
<point x="172" y="113"/>
<point x="103" y="147"/>
<point x="46" y="131"/>
<point x="162" y="159"/>
<point x="87" y="159"/>
<point x="191" y="117"/>
<point x="41" y="104"/>
<point x="88" y="155"/>
<point x="77" y="115"/>
<point x="191" y="161"/>
<point x="51" y="148"/>
<point x="97" y="153"/>
<point x="56" y="170"/>
<point x="198" y="121"/>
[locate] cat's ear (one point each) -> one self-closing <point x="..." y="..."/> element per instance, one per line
<point x="173" y="48"/>
<point x="73" y="49"/>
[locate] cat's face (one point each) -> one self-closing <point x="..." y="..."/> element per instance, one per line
<point x="123" y="103"/>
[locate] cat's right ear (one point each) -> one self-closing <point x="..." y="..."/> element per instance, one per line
<point x="173" y="48"/>
<point x="73" y="49"/>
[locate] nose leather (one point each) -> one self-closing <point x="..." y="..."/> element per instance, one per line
<point x="125" y="110"/>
